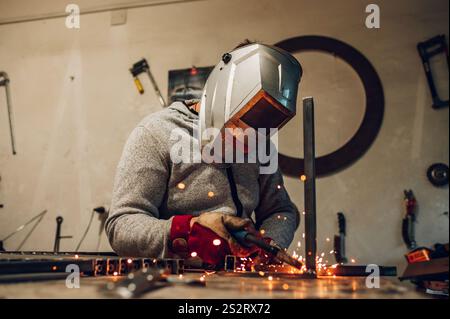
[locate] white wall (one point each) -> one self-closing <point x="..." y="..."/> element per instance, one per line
<point x="70" y="133"/>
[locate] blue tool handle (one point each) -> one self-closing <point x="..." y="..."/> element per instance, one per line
<point x="240" y="236"/>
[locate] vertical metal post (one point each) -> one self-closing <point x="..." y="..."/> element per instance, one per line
<point x="310" y="185"/>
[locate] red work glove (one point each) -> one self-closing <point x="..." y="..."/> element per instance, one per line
<point x="207" y="237"/>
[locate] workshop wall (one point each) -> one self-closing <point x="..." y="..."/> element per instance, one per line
<point x="75" y="104"/>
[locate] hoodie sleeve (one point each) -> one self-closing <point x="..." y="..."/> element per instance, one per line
<point x="133" y="227"/>
<point x="276" y="214"/>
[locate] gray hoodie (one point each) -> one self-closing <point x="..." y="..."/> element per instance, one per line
<point x="149" y="189"/>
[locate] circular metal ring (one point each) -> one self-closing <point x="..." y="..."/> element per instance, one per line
<point x="373" y="116"/>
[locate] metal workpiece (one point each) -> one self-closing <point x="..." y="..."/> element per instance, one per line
<point x="137" y="283"/>
<point x="230" y="263"/>
<point x="310" y="185"/>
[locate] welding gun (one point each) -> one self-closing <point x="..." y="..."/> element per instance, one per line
<point x="247" y="239"/>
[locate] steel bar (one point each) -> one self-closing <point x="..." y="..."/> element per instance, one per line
<point x="310" y="185"/>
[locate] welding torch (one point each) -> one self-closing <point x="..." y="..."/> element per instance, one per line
<point x="247" y="239"/>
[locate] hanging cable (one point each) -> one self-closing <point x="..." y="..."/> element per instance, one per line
<point x="101" y="211"/>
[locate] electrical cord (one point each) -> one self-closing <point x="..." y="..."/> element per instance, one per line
<point x="101" y="211"/>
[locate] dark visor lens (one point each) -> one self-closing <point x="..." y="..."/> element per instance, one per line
<point x="264" y="115"/>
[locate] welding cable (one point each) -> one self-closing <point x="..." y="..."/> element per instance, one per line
<point x="86" y="231"/>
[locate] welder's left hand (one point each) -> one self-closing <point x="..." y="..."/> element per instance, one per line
<point x="208" y="237"/>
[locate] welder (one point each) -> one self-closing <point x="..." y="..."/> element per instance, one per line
<point x="162" y="207"/>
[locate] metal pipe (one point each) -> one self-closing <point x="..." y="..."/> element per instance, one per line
<point x="123" y="6"/>
<point x="310" y="185"/>
<point x="5" y="83"/>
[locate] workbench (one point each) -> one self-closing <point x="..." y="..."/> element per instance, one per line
<point x="222" y="286"/>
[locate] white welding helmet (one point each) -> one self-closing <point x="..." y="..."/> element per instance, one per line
<point x="253" y="86"/>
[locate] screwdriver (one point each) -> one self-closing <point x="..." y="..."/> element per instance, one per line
<point x="247" y="239"/>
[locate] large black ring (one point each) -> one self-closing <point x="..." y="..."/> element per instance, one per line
<point x="373" y="117"/>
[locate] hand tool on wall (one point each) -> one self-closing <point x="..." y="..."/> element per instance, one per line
<point x="142" y="67"/>
<point x="58" y="236"/>
<point x="4" y="81"/>
<point x="408" y="221"/>
<point x="36" y="218"/>
<point x="339" y="240"/>
<point x="427" y="50"/>
<point x="247" y="239"/>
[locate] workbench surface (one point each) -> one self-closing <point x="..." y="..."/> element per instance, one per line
<point x="220" y="285"/>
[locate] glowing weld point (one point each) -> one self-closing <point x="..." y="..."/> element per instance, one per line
<point x="194" y="254"/>
<point x="216" y="242"/>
